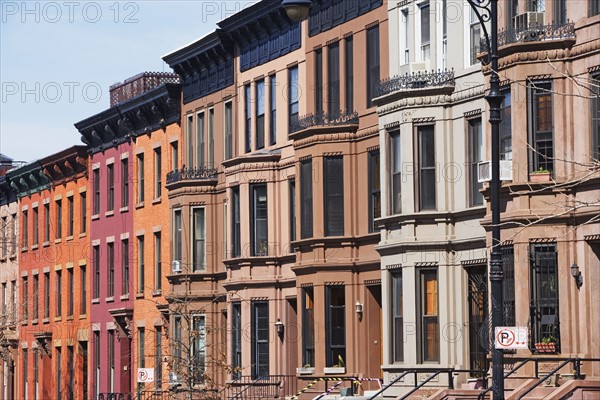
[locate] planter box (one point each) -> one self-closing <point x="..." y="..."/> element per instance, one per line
<point x="334" y="370"/>
<point x="305" y="371"/>
<point x="545" y="347"/>
<point x="540" y="177"/>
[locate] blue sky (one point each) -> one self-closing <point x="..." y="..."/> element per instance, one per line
<point x="58" y="59"/>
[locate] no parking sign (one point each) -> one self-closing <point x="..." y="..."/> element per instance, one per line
<point x="511" y="337"/>
<point x="145" y="375"/>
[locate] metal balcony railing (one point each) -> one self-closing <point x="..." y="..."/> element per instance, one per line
<point x="534" y="34"/>
<point x="204" y="173"/>
<point x="419" y="80"/>
<point x="324" y="119"/>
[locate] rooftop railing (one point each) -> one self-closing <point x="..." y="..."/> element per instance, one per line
<point x="324" y="119"/>
<point x="419" y="80"/>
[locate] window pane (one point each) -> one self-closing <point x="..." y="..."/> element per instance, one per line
<point x="259" y="220"/>
<point x="199" y="257"/>
<point x="333" y="77"/>
<point x="372" y="63"/>
<point x="476" y="143"/>
<point x="334" y="196"/>
<point x="306" y="210"/>
<point x="396" y="173"/>
<point x="427" y="195"/>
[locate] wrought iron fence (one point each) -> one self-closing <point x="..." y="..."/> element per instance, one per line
<point x="136" y="85"/>
<point x="204" y="173"/>
<point x="324" y="119"/>
<point x="534" y="34"/>
<point x="267" y="387"/>
<point x="414" y="80"/>
<point x="115" y="396"/>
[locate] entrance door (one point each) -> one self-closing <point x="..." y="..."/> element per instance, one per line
<point x="478" y="312"/>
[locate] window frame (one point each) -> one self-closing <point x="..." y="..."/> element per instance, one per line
<point x="319" y="81"/>
<point x="193" y="248"/>
<point x="536" y="136"/>
<point x="293" y="94"/>
<point x="374" y="163"/>
<point x="110" y="184"/>
<point x="306" y="199"/>
<point x="397" y="309"/>
<point x="308" y="326"/>
<point x="333" y="195"/>
<point x="424" y="170"/>
<point x="373" y="63"/>
<point x="259" y="114"/>
<point x="339" y="347"/>
<point x="349" y="66"/>
<point x="125" y="182"/>
<point x="260" y="345"/>
<point x="96" y="183"/>
<point x="476" y="154"/>
<point x="333" y="79"/>
<point x="140" y="175"/>
<point x="259" y="242"/>
<point x="422" y="317"/>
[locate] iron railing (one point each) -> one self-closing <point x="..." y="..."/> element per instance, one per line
<point x="419" y="80"/>
<point x="534" y="34"/>
<point x="115" y="396"/>
<point x="204" y="173"/>
<point x="324" y="119"/>
<point x="268" y="387"/>
<point x="136" y="85"/>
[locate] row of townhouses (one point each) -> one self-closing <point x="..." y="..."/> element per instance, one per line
<point x="304" y="205"/>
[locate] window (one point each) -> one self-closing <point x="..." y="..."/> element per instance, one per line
<point x="236" y="340"/>
<point x="236" y="245"/>
<point x="140" y="178"/>
<point x="475" y="35"/>
<point x="157" y="173"/>
<point x="306" y="203"/>
<point x="25" y="360"/>
<point x="198" y="239"/>
<point x="71" y="284"/>
<point x="34" y="242"/>
<point x="58" y="219"/>
<point x="594" y="8"/>
<point x="47" y="295"/>
<point x="111" y="360"/>
<point x="124" y="182"/>
<point x="96" y="258"/>
<point x="15" y="233"/>
<point x="508" y="285"/>
<point x="398" y="316"/>
<point x="228" y="130"/>
<point x="540" y="118"/>
<point x="292" y="210"/>
<point x="476" y="150"/>
<point x="141" y="347"/>
<point x="248" y="116"/>
<point x="595" y="113"/>
<point x="396" y="170"/>
<point x="177" y="235"/>
<point x="308" y="327"/>
<point x="349" y="63"/>
<point x="560" y="11"/>
<point x="110" y="248"/>
<point x="428" y="316"/>
<point x="199" y="348"/>
<point x="335" y="308"/>
<point x="71" y="372"/>
<point x="333" y="173"/>
<point x="333" y="78"/>
<point x="536" y="5"/>
<point x="96" y="191"/>
<point x="58" y="373"/>
<point x="372" y="63"/>
<point x="426" y="167"/>
<point x="425" y="31"/>
<point x="211" y="138"/>
<point x="36" y="294"/>
<point x="97" y="361"/>
<point x="158" y="356"/>
<point x="318" y="82"/>
<point x="83" y="287"/>
<point x="374" y="189"/>
<point x="25" y="303"/>
<point x="259" y="130"/>
<point x="174" y="156"/>
<point x="25" y="229"/>
<point x="293" y="95"/>
<point x="83" y="205"/>
<point x="513" y="10"/>
<point x="444" y="32"/>
<point x="200" y="140"/>
<point x="272" y="110"/>
<point x="36" y="373"/>
<point x="58" y="293"/>
<point x="140" y="264"/>
<point x="404" y="42"/>
<point x="176" y="343"/>
<point x="260" y="339"/>
<point x="506" y="125"/>
<point x="189" y="131"/>
<point x="157" y="262"/>
<point x="71" y="211"/>
<point x="110" y="172"/>
<point x="4" y="238"/>
<point x="125" y="265"/>
<point x="83" y="350"/>
<point x="259" y="220"/>
<point x="544" y="301"/>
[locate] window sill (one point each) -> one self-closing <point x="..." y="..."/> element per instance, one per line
<point x="24" y="249"/>
<point x="124" y="297"/>
<point x="82" y="316"/>
<point x="24" y="323"/>
<point x="334" y="370"/>
<point x="95" y="301"/>
<point x="95" y="217"/>
<point x="34" y="247"/>
<point x="56" y="241"/>
<point x="3" y="258"/>
<point x="46" y="243"/>
<point x="157" y="292"/>
<point x="34" y="322"/>
<point x="69" y="318"/>
<point x="157" y="200"/>
<point x="82" y="234"/>
<point x="139" y="205"/>
<point x="109" y="299"/>
<point x="124" y="209"/>
<point x="57" y="319"/>
<point x="13" y="256"/>
<point x="139" y="295"/>
<point x="45" y="320"/>
<point x="69" y="238"/>
<point x="109" y="213"/>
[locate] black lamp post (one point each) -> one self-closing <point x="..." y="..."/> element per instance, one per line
<point x="486" y="11"/>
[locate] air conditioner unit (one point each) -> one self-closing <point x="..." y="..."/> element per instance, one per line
<point x="176" y="266"/>
<point x="528" y="21"/>
<point x="484" y="171"/>
<point x="414" y="67"/>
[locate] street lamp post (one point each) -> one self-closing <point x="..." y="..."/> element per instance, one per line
<point x="486" y="11"/>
